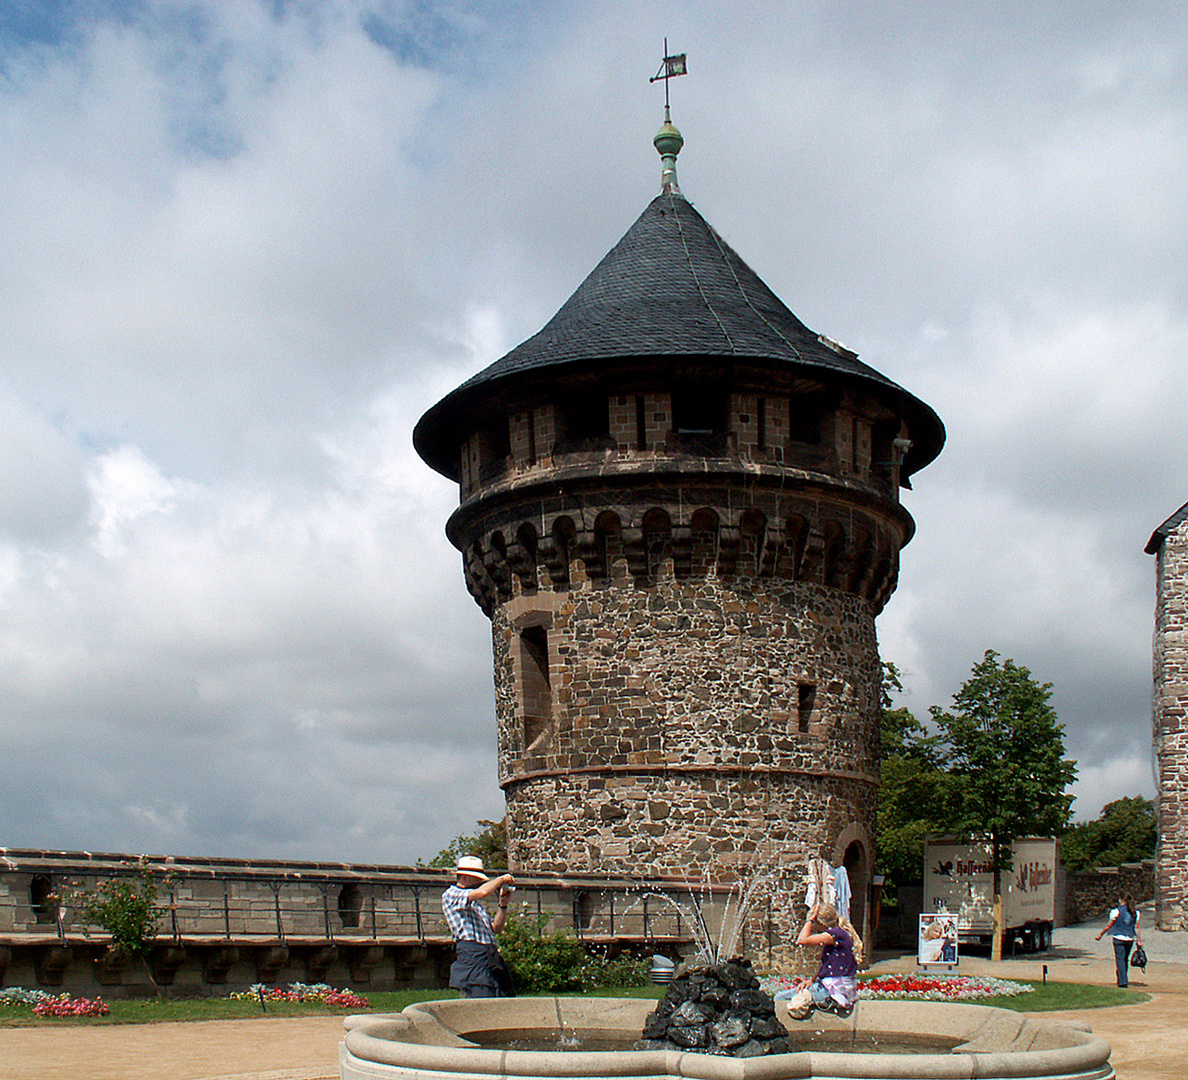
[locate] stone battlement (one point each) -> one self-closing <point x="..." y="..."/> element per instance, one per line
<point x="228" y="923"/>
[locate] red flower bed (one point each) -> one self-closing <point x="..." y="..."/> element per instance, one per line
<point x="64" y="1005"/>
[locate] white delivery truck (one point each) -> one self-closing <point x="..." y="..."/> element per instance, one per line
<point x="959" y="879"/>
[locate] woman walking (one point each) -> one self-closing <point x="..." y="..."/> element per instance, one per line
<point x="1123" y="928"/>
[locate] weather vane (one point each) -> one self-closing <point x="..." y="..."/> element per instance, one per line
<point x="670" y="68"/>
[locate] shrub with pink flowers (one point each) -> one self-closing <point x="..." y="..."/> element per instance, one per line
<point x="65" y="1005"/>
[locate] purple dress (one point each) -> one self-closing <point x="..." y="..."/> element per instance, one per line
<point x="838" y="972"/>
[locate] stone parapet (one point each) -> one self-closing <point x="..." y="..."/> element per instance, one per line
<point x="226" y="924"/>
<point x="1091" y="893"/>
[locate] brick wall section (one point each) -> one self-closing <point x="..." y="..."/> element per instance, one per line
<point x="1171" y="728"/>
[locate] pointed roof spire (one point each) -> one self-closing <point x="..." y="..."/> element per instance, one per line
<point x="668" y="140"/>
<point x="668" y="143"/>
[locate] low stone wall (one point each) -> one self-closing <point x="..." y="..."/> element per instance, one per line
<point x="1091" y="893"/>
<point x="227" y="924"/>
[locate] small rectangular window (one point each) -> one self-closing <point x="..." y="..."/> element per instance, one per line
<point x="536" y="694"/>
<point x="807" y="693"/>
<point x="699" y="409"/>
<point x="584" y="424"/>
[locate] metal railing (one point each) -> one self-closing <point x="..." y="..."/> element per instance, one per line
<point x="279" y="909"/>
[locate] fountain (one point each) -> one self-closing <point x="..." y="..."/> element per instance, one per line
<point x="462" y="1040"/>
<point x="596" y="1038"/>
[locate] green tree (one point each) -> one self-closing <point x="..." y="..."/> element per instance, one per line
<point x="489" y="844"/>
<point x="126" y="907"/>
<point x="908" y="783"/>
<point x="1125" y="832"/>
<point x="1006" y="772"/>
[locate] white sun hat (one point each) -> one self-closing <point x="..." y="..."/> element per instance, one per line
<point x="472" y="866"/>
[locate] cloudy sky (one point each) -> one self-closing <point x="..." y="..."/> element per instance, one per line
<point x="244" y="245"/>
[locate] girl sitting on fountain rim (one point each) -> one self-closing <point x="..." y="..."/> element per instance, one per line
<point x="835" y="987"/>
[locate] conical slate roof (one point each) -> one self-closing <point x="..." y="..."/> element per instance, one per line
<point x="672" y="289"/>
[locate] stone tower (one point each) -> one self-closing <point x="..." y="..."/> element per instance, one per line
<point x="679" y="509"/>
<point x="1169" y="545"/>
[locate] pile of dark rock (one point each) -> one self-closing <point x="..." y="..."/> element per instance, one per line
<point x="715" y="1009"/>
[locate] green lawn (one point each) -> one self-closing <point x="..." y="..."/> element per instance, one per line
<point x="150" y="1011"/>
<point x="1054" y="996"/>
<point x="1057" y="996"/>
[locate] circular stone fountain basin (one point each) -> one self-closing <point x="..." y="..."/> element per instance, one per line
<point x="440" y="1040"/>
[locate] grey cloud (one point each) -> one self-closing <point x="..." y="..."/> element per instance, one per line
<point x="237" y="278"/>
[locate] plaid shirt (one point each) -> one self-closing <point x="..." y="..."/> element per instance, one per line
<point x="468" y="919"/>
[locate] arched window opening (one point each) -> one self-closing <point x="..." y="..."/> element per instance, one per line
<point x="350" y="904"/>
<point x="834" y="554"/>
<point x="534" y="685"/>
<point x="752" y="528"/>
<point x="704" y="527"/>
<point x="791" y="556"/>
<point x="564" y="534"/>
<point x="525" y="555"/>
<point x="42" y="899"/>
<point x="657" y="530"/>
<point x="608" y="538"/>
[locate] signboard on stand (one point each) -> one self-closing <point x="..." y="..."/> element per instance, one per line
<point x="937" y="941"/>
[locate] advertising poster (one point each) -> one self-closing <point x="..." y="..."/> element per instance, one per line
<point x="937" y="943"/>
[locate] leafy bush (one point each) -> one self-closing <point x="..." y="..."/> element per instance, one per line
<point x="542" y="963"/>
<point x="558" y="963"/>
<point x="623" y="971"/>
<point x="1125" y="832"/>
<point x="127" y="909"/>
<point x="489" y="844"/>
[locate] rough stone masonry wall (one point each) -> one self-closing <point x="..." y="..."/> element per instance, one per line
<point x="1091" y="893"/>
<point x="1171" y="729"/>
<point x="697" y="727"/>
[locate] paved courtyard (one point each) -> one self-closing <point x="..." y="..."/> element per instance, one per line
<point x="1150" y="1041"/>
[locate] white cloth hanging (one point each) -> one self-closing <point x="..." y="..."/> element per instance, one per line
<point x="841" y="887"/>
<point x="819" y="888"/>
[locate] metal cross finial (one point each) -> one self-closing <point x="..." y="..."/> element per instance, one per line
<point x="668" y="140"/>
<point x="670" y="68"/>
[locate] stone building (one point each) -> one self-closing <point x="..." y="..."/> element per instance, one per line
<point x="1169" y="545"/>
<point x="679" y="508"/>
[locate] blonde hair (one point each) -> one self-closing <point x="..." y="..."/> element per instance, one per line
<point x="827" y="915"/>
